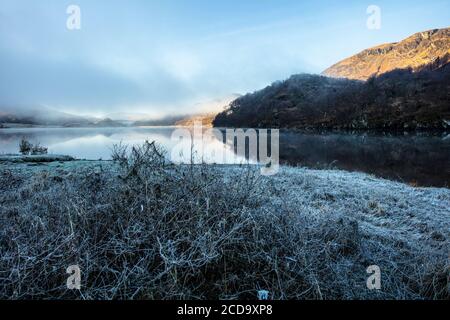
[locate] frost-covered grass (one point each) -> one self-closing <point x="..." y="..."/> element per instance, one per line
<point x="140" y="228"/>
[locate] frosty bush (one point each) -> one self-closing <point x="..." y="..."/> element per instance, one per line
<point x="38" y="150"/>
<point x="27" y="148"/>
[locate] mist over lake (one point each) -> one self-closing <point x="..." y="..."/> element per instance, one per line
<point x="418" y="159"/>
<point x="96" y="143"/>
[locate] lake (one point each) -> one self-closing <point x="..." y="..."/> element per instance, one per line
<point x="418" y="159"/>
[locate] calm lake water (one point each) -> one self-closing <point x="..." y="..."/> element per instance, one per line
<point x="422" y="160"/>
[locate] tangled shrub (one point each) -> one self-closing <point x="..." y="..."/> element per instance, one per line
<point x="38" y="150"/>
<point x="26" y="148"/>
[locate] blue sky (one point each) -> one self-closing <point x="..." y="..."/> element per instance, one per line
<point x="164" y="57"/>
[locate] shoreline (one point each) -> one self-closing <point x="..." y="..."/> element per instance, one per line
<point x="51" y="160"/>
<point x="305" y="130"/>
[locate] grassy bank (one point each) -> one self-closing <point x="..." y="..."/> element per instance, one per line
<point x="140" y="228"/>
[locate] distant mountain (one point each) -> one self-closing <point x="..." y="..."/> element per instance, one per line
<point x="130" y="117"/>
<point x="108" y="123"/>
<point x="204" y="111"/>
<point x="179" y="120"/>
<point x="205" y="119"/>
<point x="404" y="86"/>
<point x="37" y="115"/>
<point x="164" y="121"/>
<point x="397" y="100"/>
<point x="424" y="48"/>
<point x="41" y="116"/>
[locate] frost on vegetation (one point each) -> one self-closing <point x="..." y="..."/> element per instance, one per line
<point x="27" y="148"/>
<point x="142" y="228"/>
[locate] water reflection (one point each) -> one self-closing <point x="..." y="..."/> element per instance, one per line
<point x="96" y="143"/>
<point x="417" y="159"/>
<point x="420" y="159"/>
